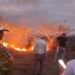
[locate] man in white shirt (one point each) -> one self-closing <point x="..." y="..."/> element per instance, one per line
<point x="40" y="52"/>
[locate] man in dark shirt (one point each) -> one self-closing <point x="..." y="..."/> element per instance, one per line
<point x="61" y="50"/>
<point x="61" y="45"/>
<point x="62" y="40"/>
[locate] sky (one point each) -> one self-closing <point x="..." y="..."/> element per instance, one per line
<point x="38" y="12"/>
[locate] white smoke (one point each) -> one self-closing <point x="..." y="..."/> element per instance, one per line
<point x="35" y="12"/>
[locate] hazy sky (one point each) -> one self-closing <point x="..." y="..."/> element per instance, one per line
<point x="34" y="12"/>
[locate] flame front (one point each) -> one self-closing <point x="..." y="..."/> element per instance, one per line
<point x="19" y="49"/>
<point x="13" y="46"/>
<point x="22" y="38"/>
<point x="5" y="44"/>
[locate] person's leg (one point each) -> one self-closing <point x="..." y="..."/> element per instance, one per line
<point x="35" y="65"/>
<point x="41" y="66"/>
<point x="41" y="62"/>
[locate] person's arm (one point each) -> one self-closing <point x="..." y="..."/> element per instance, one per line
<point x="35" y="47"/>
<point x="45" y="49"/>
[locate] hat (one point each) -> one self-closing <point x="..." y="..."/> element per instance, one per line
<point x="42" y="36"/>
<point x="2" y="29"/>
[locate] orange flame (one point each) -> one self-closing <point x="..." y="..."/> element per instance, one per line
<point x="5" y="44"/>
<point x="13" y="46"/>
<point x="19" y="49"/>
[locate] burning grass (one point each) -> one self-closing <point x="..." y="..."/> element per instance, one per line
<point x="22" y="38"/>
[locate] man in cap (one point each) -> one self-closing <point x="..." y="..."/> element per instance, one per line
<point x="40" y="51"/>
<point x="5" y="57"/>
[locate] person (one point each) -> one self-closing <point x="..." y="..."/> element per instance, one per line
<point x="40" y="52"/>
<point x="61" y="46"/>
<point x="5" y="57"/>
<point x="61" y="49"/>
<point x="70" y="68"/>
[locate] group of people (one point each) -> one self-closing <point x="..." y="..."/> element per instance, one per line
<point x="40" y="53"/>
<point x="62" y="51"/>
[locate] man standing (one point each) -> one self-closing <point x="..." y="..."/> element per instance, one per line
<point x="40" y="52"/>
<point x="61" y="49"/>
<point x="61" y="46"/>
<point x="5" y="57"/>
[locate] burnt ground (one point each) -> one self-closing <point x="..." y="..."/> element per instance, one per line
<point x="23" y="64"/>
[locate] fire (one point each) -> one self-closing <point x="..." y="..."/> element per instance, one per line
<point x="5" y="44"/>
<point x="13" y="46"/>
<point x="22" y="38"/>
<point x="19" y="49"/>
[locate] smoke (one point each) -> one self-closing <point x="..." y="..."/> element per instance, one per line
<point x="25" y="17"/>
<point x="23" y="36"/>
<point x="38" y="12"/>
